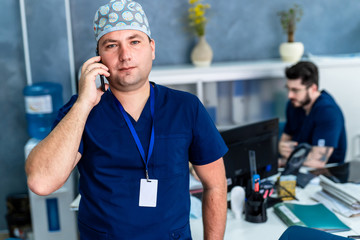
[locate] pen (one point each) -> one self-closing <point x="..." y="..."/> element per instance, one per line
<point x="354" y="236"/>
<point x="256" y="182"/>
<point x="266" y="194"/>
<point x="271" y="192"/>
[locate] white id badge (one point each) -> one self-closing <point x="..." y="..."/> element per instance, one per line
<point x="148" y="193"/>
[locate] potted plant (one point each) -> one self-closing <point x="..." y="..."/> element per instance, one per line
<point x="291" y="51"/>
<point x="201" y="54"/>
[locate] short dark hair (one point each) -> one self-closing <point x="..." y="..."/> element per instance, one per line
<point x="307" y="71"/>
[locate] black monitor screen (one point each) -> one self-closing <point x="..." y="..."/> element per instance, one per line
<point x="261" y="137"/>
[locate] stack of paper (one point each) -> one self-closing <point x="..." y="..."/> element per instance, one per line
<point x="349" y="193"/>
<point x="343" y="198"/>
<point x="335" y="204"/>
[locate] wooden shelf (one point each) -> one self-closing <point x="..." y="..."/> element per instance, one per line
<point x="338" y="74"/>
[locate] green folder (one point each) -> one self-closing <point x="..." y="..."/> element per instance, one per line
<point x="314" y="216"/>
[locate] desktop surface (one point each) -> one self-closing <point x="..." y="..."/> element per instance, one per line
<point x="273" y="227"/>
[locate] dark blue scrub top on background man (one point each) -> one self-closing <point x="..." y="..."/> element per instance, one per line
<point x="111" y="166"/>
<point x="325" y="122"/>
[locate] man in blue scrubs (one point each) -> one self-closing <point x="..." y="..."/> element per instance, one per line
<point x="313" y="117"/>
<point x="132" y="143"/>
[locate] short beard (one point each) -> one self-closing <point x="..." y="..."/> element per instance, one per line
<point x="305" y="102"/>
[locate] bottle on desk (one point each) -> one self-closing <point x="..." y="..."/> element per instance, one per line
<point x="237" y="197"/>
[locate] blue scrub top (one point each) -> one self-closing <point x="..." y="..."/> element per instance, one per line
<point x="325" y="122"/>
<point x="300" y="233"/>
<point x="111" y="166"/>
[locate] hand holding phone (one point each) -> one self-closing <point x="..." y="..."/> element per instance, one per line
<point x="89" y="81"/>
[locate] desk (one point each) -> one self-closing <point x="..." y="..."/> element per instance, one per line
<point x="273" y="227"/>
<point x="270" y="230"/>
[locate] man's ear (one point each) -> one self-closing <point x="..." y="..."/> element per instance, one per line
<point x="152" y="44"/>
<point x="314" y="87"/>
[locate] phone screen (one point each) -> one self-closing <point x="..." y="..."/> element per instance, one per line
<point x="102" y="80"/>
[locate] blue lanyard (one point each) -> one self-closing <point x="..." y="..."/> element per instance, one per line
<point x="136" y="137"/>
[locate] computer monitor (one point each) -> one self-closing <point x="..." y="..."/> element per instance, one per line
<point x="261" y="137"/>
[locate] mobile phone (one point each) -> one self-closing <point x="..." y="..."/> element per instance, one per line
<point x="102" y="80"/>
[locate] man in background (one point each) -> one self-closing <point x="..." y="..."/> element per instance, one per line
<point x="312" y="117"/>
<point x="132" y="143"/>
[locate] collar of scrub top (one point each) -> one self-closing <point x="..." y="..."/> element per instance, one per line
<point x="134" y="134"/>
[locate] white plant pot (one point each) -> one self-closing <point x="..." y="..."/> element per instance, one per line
<point x="202" y="54"/>
<point x="291" y="51"/>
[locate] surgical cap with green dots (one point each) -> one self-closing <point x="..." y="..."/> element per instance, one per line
<point x="120" y="15"/>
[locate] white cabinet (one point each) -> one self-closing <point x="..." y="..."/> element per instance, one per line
<point x="339" y="76"/>
<point x="217" y="72"/>
<point x="226" y="87"/>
